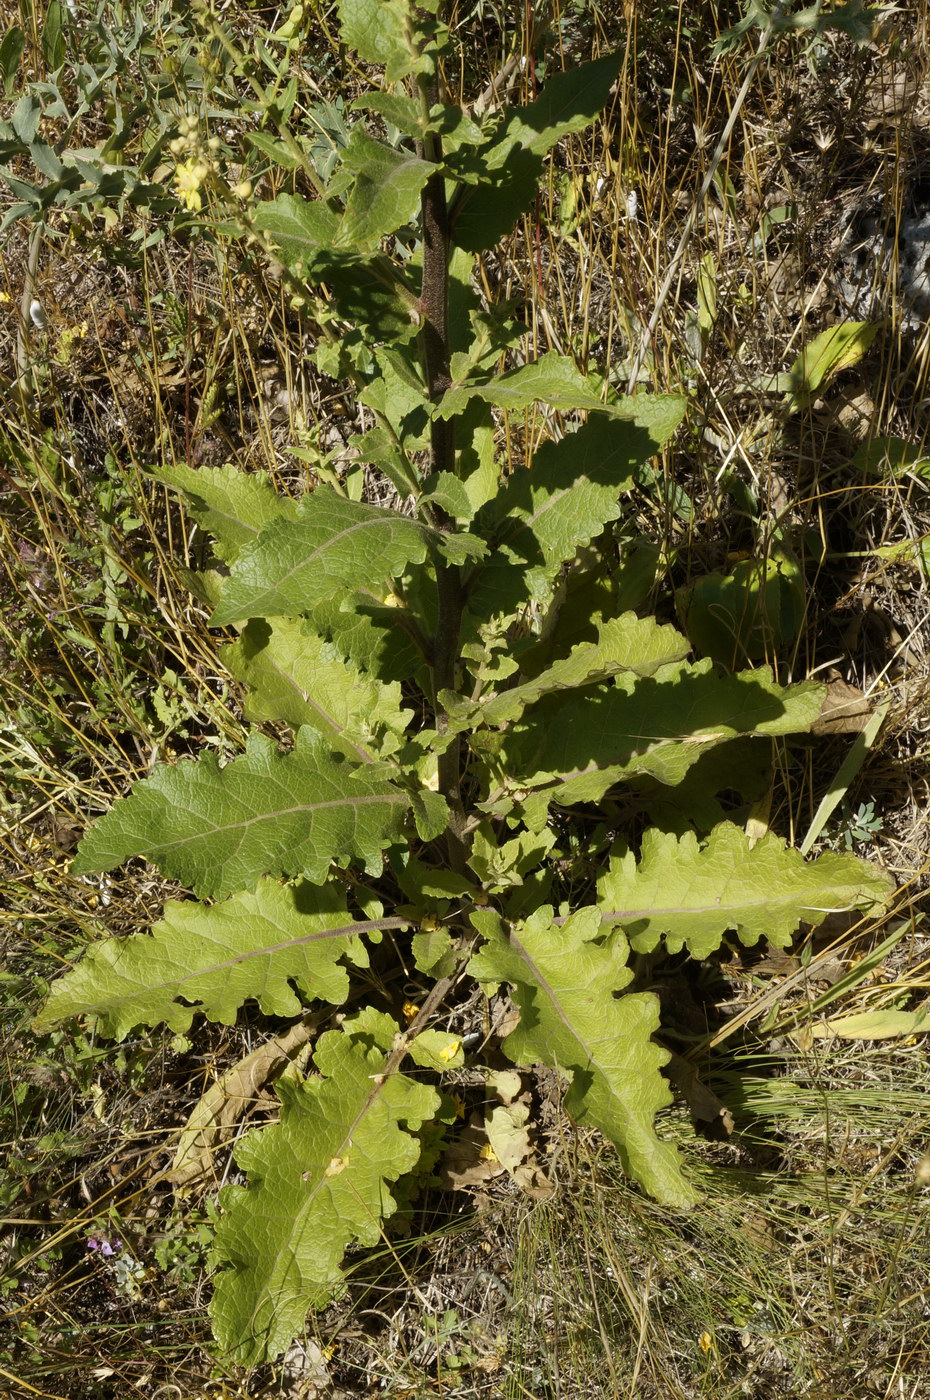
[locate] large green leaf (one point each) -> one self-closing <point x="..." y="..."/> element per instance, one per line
<point x="502" y="177"/>
<point x="577" y="746"/>
<point x="488" y="205"/>
<point x="318" y="1182"/>
<point x="627" y="643"/>
<point x="333" y="546"/>
<point x="295" y="676"/>
<point x="547" y="511"/>
<point x="368" y="290"/>
<point x="692" y="894"/>
<point x="556" y="380"/>
<point x="386" y="192"/>
<point x="381" y="32"/>
<point x="234" y="506"/>
<point x="569" y="102"/>
<point x="265" y="813"/>
<point x="564" y="982"/>
<point x="553" y="378"/>
<point x="366" y="632"/>
<point x="301" y="228"/>
<point x="267" y="944"/>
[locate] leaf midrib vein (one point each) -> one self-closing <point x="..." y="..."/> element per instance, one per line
<point x="330" y="542"/>
<point x="280" y="812"/>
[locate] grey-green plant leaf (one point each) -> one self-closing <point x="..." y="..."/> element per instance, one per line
<point x="554" y="378"/>
<point x="437" y="1050"/>
<point x="333" y="545"/>
<point x="430" y="812"/>
<point x="26" y="116"/>
<point x="301" y="228"/>
<point x="381" y="33"/>
<point x="277" y="151"/>
<point x="366" y="632"/>
<point x="546" y="512"/>
<point x="380" y="447"/>
<point x="398" y="395"/>
<point x="386" y="192"/>
<point x="564" y="982"/>
<point x="569" y="102"/>
<point x="500" y="865"/>
<point x="406" y="114"/>
<point x="461" y="548"/>
<point x="267" y="944"/>
<point x="578" y="746"/>
<point x="53" y="39"/>
<point x="318" y="1182"/>
<point x="446" y="491"/>
<point x="503" y="175"/>
<point x="691" y="894"/>
<point x="626" y="643"/>
<point x="11" y="53"/>
<point x="234" y="506"/>
<point x="293" y="675"/>
<point x="266" y="813"/>
<point x="433" y="951"/>
<point x="369" y="290"/>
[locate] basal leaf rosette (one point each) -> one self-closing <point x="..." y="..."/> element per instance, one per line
<point x="564" y="977"/>
<point x="692" y="894"/>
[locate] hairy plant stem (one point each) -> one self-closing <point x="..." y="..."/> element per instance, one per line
<point x="436" y="354"/>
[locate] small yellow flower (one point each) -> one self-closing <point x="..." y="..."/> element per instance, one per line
<point x="449" y="1052"/>
<point x="411" y="1011"/>
<point x="188" y="179"/>
<point x="706" y="1343"/>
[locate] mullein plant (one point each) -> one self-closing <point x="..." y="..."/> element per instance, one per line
<point x="474" y="696"/>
